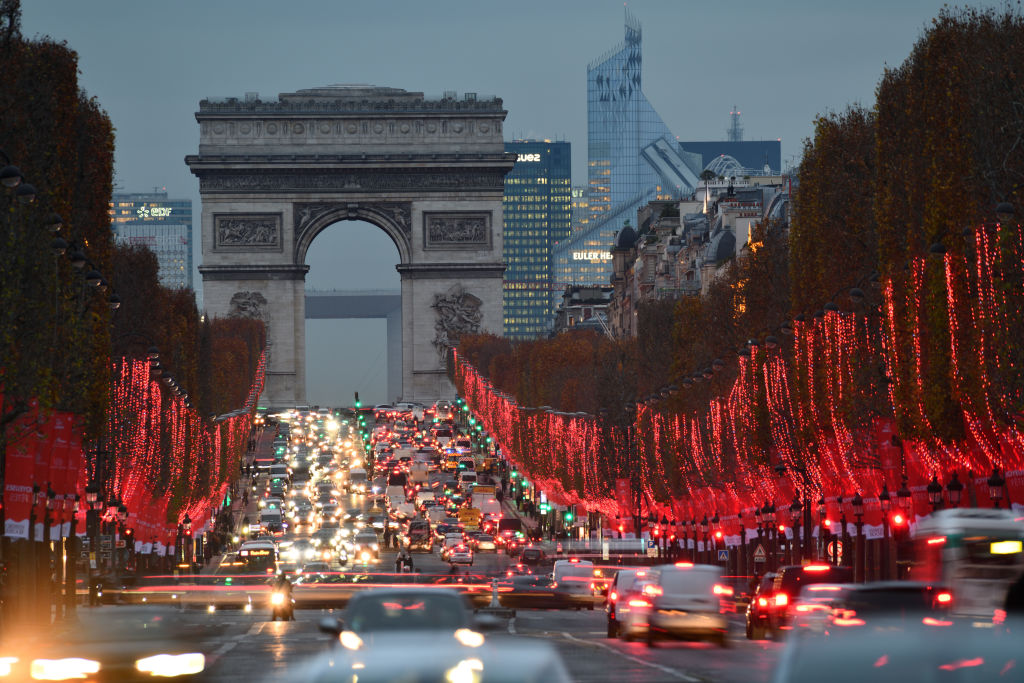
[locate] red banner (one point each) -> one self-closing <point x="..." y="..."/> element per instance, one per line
<point x="18" y="486"/>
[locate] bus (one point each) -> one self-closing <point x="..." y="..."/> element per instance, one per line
<point x="976" y="553"/>
<point x="258" y="557"/>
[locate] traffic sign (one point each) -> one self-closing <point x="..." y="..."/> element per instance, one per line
<point x="652" y="548"/>
<point x="723" y="555"/>
<point x="759" y="554"/>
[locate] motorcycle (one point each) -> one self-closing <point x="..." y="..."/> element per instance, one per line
<point x="282" y="605"/>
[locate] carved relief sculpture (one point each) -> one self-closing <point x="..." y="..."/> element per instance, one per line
<point x="250" y="231"/>
<point x="458" y="313"/>
<point x="248" y="305"/>
<point x="459" y="229"/>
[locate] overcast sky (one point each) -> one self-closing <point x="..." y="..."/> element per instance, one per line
<point x="149" y="62"/>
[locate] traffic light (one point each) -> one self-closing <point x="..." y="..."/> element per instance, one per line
<point x="358" y="403"/>
<point x="568" y="516"/>
<point x="544" y="507"/>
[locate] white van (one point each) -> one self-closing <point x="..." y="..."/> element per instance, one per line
<point x="684" y="601"/>
<point x="357" y="482"/>
<point x="574" y="583"/>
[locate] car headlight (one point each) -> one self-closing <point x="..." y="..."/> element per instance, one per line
<point x="6" y="664"/>
<point x="169" y="666"/>
<point x="375" y="546"/>
<point x="63" y="669"/>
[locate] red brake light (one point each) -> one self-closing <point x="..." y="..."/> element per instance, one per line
<point x="816" y="568"/>
<point x="781" y="599"/>
<point x="650" y="589"/>
<point x="613" y="597"/>
<point x="762" y="602"/>
<point x="641" y="573"/>
<point x="719" y="589"/>
<point x="574" y="560"/>
<point x="938" y="540"/>
<point x="944" y="598"/>
<point x="683" y="565"/>
<point x="639" y="603"/>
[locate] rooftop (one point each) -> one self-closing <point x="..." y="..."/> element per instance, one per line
<point x="355" y="98"/>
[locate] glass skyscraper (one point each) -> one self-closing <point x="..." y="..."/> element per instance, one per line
<point x="537" y="214"/>
<point x="632" y="159"/>
<point x="163" y="225"/>
<point x="632" y="155"/>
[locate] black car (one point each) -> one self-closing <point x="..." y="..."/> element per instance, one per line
<point x="528" y="591"/>
<point x="532" y="556"/>
<point x="760" y="606"/>
<point x="788" y="583"/>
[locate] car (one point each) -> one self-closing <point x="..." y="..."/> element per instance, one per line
<point x="788" y="583"/>
<point x="619" y="589"/>
<point x="437" y="636"/>
<point x="460" y="554"/>
<point x="682" y="601"/>
<point x="365" y="546"/>
<point x="528" y="591"/>
<point x="450" y="541"/>
<point x="760" y="606"/>
<point x="532" y="556"/>
<point x="316" y="568"/>
<point x="823" y="606"/>
<point x="484" y="542"/>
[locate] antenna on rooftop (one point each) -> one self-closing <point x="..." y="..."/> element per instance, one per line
<point x="735" y="132"/>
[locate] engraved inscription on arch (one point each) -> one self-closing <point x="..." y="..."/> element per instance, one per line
<point x="247" y="232"/>
<point x="457" y="230"/>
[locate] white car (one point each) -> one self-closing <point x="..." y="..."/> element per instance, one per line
<point x="460" y="554"/>
<point x="450" y="541"/>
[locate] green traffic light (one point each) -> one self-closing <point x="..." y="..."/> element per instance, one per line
<point x="568" y="516"/>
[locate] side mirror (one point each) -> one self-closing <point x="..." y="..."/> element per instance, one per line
<point x="331" y="626"/>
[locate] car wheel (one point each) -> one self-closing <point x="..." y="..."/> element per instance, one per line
<point x="757" y="633"/>
<point x="625" y="636"/>
<point x="613" y="628"/>
<point x="590" y="607"/>
<point x="723" y="640"/>
<point x="651" y="642"/>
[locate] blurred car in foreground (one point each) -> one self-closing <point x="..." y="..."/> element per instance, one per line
<point x="124" y="643"/>
<point x="790" y="581"/>
<point x="682" y="601"/>
<point x="619" y="590"/>
<point x="899" y="650"/>
<point x="826" y="606"/>
<point x="760" y="606"/>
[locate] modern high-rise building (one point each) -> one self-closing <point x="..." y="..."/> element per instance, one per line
<point x="163" y="225"/>
<point x="632" y="156"/>
<point x="632" y="159"/>
<point x="537" y="214"/>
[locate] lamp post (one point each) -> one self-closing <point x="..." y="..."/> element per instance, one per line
<point x="858" y="512"/>
<point x="716" y="532"/>
<point x="759" y="518"/>
<point x="823" y="533"/>
<point x="187" y="522"/>
<point x="771" y="534"/>
<point x="704" y="532"/>
<point x="954" y="488"/>
<point x="664" y="536"/>
<point x="889" y="558"/>
<point x="71" y="563"/>
<point x="844" y="540"/>
<point x="795" y="512"/>
<point x="996" y="488"/>
<point x="934" y="490"/>
<point x="741" y="561"/>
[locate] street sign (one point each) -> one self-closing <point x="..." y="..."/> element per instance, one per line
<point x="106" y="542"/>
<point x="759" y="554"/>
<point x="652" y="548"/>
<point x="120" y="543"/>
<point x="605" y="550"/>
<point x="835" y="550"/>
<point x="723" y="555"/>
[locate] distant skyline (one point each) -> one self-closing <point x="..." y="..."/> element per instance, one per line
<point x="149" y="65"/>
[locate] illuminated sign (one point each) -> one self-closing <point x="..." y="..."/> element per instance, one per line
<point x="528" y="157"/>
<point x="153" y="212"/>
<point x="591" y="256"/>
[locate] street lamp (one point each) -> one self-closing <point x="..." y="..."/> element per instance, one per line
<point x="935" y="493"/>
<point x="822" y="527"/>
<point x="704" y="531"/>
<point x="904" y="496"/>
<point x="858" y="512"/>
<point x="889" y="558"/>
<point x="996" y="487"/>
<point x="955" y="489"/>
<point x="795" y="511"/>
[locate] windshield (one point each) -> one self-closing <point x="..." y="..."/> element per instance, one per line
<point x="413" y="612"/>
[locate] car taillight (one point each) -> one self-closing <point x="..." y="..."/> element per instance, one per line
<point x="781" y="600"/>
<point x="944" y="598"/>
<point x="762" y="602"/>
<point x="719" y="589"/>
<point x="847" y="617"/>
<point x="639" y="603"/>
<point x="652" y="590"/>
<point x="613" y="597"/>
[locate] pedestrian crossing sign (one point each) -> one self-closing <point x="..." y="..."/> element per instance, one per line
<point x="759" y="554"/>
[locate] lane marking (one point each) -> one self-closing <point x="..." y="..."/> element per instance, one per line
<point x="223" y="649"/>
<point x="256" y="628"/>
<point x="664" y="669"/>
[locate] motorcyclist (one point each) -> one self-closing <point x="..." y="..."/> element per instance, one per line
<point x="284" y="586"/>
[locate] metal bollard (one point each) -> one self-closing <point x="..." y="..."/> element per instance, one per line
<point x="494" y="594"/>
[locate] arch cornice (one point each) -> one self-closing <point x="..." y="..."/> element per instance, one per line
<point x="394" y="218"/>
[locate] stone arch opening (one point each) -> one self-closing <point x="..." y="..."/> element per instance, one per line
<point x="393" y="218"/>
<point x="353" y="311"/>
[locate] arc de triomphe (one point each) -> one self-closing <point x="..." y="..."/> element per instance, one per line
<point x="429" y="173"/>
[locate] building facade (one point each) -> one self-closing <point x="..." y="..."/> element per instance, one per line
<point x="164" y="225"/>
<point x="537" y="215"/>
